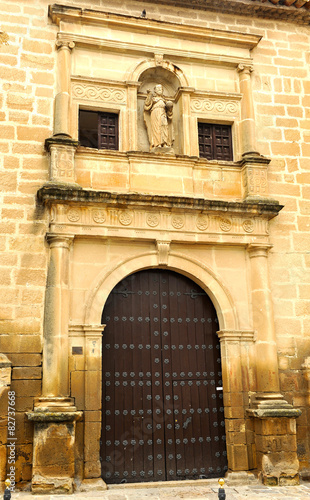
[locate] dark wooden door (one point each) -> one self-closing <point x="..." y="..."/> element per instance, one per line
<point x="162" y="412"/>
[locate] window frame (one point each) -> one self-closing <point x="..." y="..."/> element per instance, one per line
<point x="100" y="112"/>
<point x="213" y="124"/>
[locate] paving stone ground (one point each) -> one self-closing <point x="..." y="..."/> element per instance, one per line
<point x="208" y="491"/>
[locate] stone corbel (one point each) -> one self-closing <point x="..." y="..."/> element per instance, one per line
<point x="163" y="249"/>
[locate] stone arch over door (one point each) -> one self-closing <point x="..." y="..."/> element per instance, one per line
<point x="183" y="264"/>
<point x="109" y="277"/>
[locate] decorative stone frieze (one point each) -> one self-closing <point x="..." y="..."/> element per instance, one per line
<point x="99" y="93"/>
<point x="222" y="107"/>
<point x="180" y="218"/>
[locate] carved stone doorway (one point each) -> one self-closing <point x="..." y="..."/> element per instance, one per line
<point x="163" y="415"/>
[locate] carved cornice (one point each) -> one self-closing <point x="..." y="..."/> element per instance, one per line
<point x="51" y="193"/>
<point x="62" y="13"/>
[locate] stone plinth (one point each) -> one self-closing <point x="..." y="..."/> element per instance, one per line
<point x="53" y="450"/>
<point x="276" y="445"/>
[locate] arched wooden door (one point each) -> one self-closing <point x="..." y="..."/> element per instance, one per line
<point x="162" y="410"/>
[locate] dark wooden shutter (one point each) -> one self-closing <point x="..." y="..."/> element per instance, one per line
<point x="215" y="141"/>
<point x="108" y="131"/>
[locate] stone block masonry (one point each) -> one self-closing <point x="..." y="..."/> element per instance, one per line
<point x="281" y="105"/>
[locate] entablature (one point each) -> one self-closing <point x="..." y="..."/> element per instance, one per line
<point x="66" y="16"/>
<point x="147" y="217"/>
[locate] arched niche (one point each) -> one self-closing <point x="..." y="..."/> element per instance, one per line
<point x="172" y="79"/>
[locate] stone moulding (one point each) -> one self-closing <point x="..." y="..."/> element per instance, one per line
<point x="275" y="413"/>
<point x="57" y="416"/>
<point x="61" y="13"/>
<point x="83" y="212"/>
<point x="51" y="193"/>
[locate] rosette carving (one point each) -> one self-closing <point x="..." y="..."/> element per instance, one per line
<point x="225" y="224"/>
<point x="202" y="222"/>
<point x="177" y="221"/>
<point x="125" y="218"/>
<point x="73" y="215"/>
<point x="99" y="216"/>
<point x="152" y="219"/>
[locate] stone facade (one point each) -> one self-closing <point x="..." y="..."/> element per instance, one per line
<point x="77" y="220"/>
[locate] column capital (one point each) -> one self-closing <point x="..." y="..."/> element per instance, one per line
<point x="258" y="250"/>
<point x="65" y="44"/>
<point x="245" y="68"/>
<point x="59" y="240"/>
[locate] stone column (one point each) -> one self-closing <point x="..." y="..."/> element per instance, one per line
<point x="56" y="320"/>
<point x="263" y="324"/>
<point x="248" y="139"/>
<point x="54" y="414"/>
<point x="62" y="99"/>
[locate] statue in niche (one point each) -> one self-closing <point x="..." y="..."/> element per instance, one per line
<point x="158" y="111"/>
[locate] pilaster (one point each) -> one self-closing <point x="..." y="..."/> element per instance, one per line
<point x="247" y="123"/>
<point x="132" y="117"/>
<point x="56" y="319"/>
<point x="238" y="379"/>
<point x="62" y="99"/>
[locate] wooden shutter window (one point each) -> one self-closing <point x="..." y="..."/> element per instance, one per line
<point x="215" y="141"/>
<point x="98" y="130"/>
<point x="108" y="131"/>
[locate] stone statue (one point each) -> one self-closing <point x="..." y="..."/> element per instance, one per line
<point x="158" y="111"/>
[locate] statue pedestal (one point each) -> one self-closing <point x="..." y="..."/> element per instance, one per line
<point x="275" y="442"/>
<point x="163" y="150"/>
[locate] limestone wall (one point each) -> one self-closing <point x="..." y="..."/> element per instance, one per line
<point x="281" y="90"/>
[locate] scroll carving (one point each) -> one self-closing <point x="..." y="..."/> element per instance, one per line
<point x="209" y="105"/>
<point x="98" y="93"/>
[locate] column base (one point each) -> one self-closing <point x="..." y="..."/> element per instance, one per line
<point x="54" y="404"/>
<point x="53" y="447"/>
